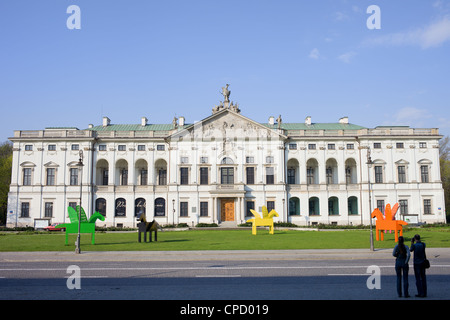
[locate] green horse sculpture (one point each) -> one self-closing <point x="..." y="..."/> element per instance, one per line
<point x="86" y="226"/>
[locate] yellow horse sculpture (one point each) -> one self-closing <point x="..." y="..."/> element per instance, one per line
<point x="265" y="221"/>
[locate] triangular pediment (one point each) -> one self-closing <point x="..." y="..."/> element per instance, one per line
<point x="227" y="124"/>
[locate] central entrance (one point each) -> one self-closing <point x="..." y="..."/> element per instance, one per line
<point x="227" y="209"/>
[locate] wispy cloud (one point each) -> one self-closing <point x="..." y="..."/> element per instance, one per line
<point x="314" y="54"/>
<point x="347" y="57"/>
<point x="433" y="35"/>
<point x="410" y="116"/>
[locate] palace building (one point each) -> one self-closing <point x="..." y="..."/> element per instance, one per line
<point x="217" y="169"/>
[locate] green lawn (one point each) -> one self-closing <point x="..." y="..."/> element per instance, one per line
<point x="217" y="240"/>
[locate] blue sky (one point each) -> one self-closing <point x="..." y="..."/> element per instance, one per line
<point x="169" y="58"/>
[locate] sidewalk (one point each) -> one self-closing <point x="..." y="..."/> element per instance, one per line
<point x="227" y="255"/>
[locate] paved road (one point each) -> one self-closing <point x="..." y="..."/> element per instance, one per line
<point x="213" y="275"/>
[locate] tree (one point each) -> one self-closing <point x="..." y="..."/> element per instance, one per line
<point x="444" y="158"/>
<point x="5" y="178"/>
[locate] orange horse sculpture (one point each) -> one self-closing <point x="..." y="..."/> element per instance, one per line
<point x="388" y="222"/>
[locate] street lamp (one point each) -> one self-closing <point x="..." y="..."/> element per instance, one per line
<point x="369" y="166"/>
<point x="80" y="175"/>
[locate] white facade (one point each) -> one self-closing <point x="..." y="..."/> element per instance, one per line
<point x="215" y="170"/>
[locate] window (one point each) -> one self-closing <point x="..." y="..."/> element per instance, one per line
<point x="102" y="147"/>
<point x="424" y="174"/>
<point x="203" y="209"/>
<point x="403" y="207"/>
<point x="100" y="206"/>
<point x="227" y="175"/>
<point x="184" y="175"/>
<point x="329" y="174"/>
<point x="350" y="146"/>
<point x="204" y="175"/>
<point x="270" y="179"/>
<point x="270" y="206"/>
<point x="269" y="159"/>
<point x="183" y="209"/>
<point x="380" y="205"/>
<point x="250" y="172"/>
<point x="27" y="176"/>
<point x="25" y="212"/>
<point x="291" y="176"/>
<point x="427" y="206"/>
<point x="378" y="174"/>
<point x="139" y="207"/>
<point x="292" y="146"/>
<point x="250" y="206"/>
<point x="203" y="159"/>
<point x="249" y="159"/>
<point x="422" y="145"/>
<point x="51" y="176"/>
<point x="51" y="147"/>
<point x="160" y="147"/>
<point x="48" y="210"/>
<point x="312" y="146"/>
<point x="124" y="177"/>
<point x="331" y="146"/>
<point x="121" y="207"/>
<point x="401" y="174"/>
<point x="28" y="147"/>
<point x="141" y="147"/>
<point x="310" y="175"/>
<point x="73" y="176"/>
<point x="377" y="145"/>
<point x="105" y="177"/>
<point x="160" y="207"/>
<point x="73" y="205"/>
<point x="75" y="147"/>
<point x="184" y="160"/>
<point x="122" y="147"/>
<point x="144" y="177"/>
<point x="399" y="145"/>
<point x="162" y="177"/>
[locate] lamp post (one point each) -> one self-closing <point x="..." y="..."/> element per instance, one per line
<point x="80" y="175"/>
<point x="369" y="166"/>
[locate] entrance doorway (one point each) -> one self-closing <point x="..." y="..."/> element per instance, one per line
<point x="227" y="209"/>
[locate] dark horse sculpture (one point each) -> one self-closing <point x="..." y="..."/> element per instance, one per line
<point x="144" y="227"/>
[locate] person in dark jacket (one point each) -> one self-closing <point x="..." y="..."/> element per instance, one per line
<point x="418" y="248"/>
<point x="402" y="254"/>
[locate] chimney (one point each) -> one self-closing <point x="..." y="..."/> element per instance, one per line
<point x="181" y="121"/>
<point x="343" y="120"/>
<point x="271" y="120"/>
<point x="308" y="120"/>
<point x="106" y="121"/>
<point x="144" y="121"/>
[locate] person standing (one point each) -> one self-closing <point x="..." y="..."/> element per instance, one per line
<point x="419" y="268"/>
<point x="402" y="254"/>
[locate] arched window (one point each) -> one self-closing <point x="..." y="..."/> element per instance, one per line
<point x="352" y="205"/>
<point x="333" y="206"/>
<point x="121" y="207"/>
<point x="139" y="207"/>
<point x="314" y="209"/>
<point x="100" y="206"/>
<point x="160" y="207"/>
<point x="227" y="160"/>
<point x="294" y="206"/>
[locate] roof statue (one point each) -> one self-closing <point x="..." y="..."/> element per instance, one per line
<point x="388" y="222"/>
<point x="226" y="93"/>
<point x="86" y="226"/>
<point x="226" y="104"/>
<point x="265" y="220"/>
